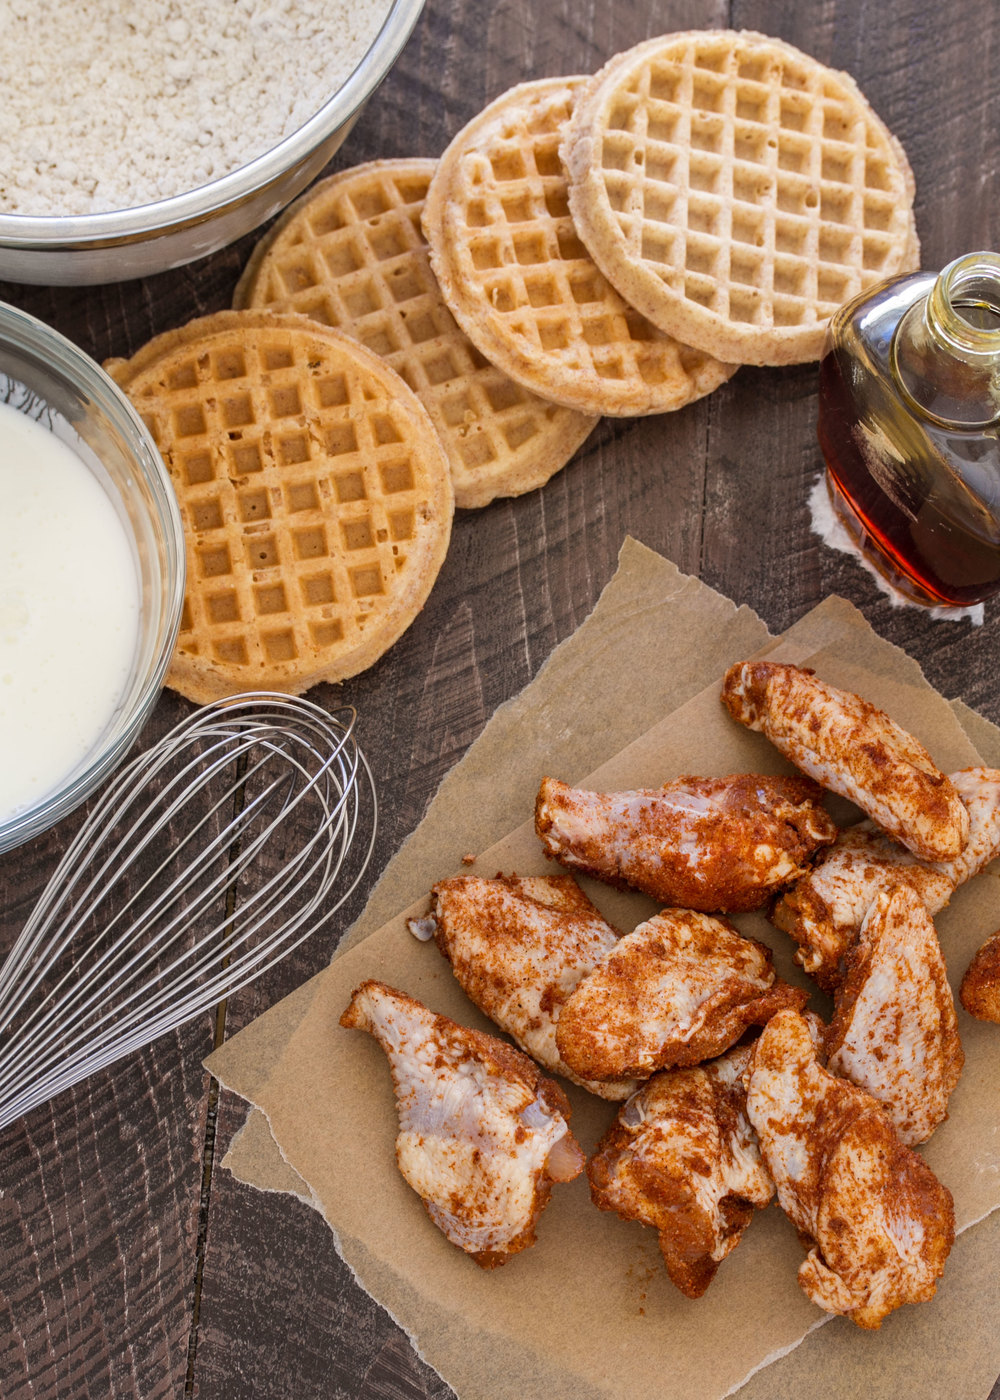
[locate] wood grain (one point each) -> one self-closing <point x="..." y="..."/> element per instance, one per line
<point x="130" y="1264"/>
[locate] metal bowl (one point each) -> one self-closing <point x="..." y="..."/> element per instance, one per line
<point x="46" y="377"/>
<point x="71" y="250"/>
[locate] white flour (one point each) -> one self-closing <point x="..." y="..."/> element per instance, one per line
<point x="106" y="104"/>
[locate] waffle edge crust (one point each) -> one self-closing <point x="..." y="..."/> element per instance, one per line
<point x="315" y="496"/>
<point x="736" y="191"/>
<point x="521" y="284"/>
<point x="351" y="254"/>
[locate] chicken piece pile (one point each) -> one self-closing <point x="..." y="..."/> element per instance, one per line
<point x="718" y="1117"/>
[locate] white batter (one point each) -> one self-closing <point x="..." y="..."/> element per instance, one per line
<point x="69" y="611"/>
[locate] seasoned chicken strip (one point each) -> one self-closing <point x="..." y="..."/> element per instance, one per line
<point x="979" y="789"/>
<point x="680" y="988"/>
<point x="980" y="990"/>
<point x="894" y="1030"/>
<point x="482" y="1134"/>
<point x="518" y="947"/>
<point x="681" y="1156"/>
<point x="713" y="844"/>
<point x="852" y="748"/>
<point x="824" y="911"/>
<point x="877" y="1222"/>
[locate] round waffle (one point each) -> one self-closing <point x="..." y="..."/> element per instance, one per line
<point x="316" y="499"/>
<point x="519" y="281"/>
<point x="350" y="253"/>
<point x="737" y="191"/>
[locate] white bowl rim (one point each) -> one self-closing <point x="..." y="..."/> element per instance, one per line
<point x="142" y="221"/>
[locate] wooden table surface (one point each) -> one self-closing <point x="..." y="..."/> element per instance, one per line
<point x="131" y="1264"/>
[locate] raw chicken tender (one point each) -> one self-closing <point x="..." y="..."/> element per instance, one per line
<point x="824" y="911"/>
<point x="877" y="1222"/>
<point x="894" y="1031"/>
<point x="980" y="990"/>
<point x="979" y="789"/>
<point x="681" y="1156"/>
<point x="518" y="947"/>
<point x="702" y="843"/>
<point x="680" y="988"/>
<point x="482" y="1134"/>
<point x="851" y="747"/>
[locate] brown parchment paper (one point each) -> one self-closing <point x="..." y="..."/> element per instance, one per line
<point x="669" y="632"/>
<point x="589" y="1311"/>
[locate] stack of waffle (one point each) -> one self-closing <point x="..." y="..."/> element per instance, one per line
<point x="414" y="335"/>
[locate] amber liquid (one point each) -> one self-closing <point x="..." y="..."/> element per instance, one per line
<point x="922" y="502"/>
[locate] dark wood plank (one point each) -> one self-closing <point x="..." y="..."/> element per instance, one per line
<point x="98" y="1231"/>
<point x="100" y="1199"/>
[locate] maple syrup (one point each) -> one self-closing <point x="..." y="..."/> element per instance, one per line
<point x="909" y="413"/>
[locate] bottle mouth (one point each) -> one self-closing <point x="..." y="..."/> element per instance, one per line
<point x="964" y="304"/>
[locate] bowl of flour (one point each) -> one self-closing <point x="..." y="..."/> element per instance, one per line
<point x="137" y="138"/>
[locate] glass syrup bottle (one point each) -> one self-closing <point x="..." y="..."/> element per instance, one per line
<point x="909" y="415"/>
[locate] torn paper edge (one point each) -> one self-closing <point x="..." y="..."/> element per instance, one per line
<point x="313" y="1200"/>
<point x="776" y="1355"/>
<point x="969" y="1223"/>
<point x="307" y="1196"/>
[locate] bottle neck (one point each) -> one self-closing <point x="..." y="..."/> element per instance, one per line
<point x="946" y="349"/>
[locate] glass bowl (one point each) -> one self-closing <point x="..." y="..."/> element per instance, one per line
<point x="45" y="376"/>
<point x="68" y="250"/>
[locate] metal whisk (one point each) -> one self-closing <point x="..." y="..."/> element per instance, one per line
<point x="203" y="862"/>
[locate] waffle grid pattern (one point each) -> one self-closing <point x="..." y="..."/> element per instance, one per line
<point x="352" y="255"/>
<point x="750" y="182"/>
<point x="522" y="284"/>
<point x="310" y="506"/>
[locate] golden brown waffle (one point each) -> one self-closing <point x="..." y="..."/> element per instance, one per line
<point x="521" y="284"/>
<point x="350" y="253"/>
<point x="316" y="499"/>
<point x="736" y="191"/>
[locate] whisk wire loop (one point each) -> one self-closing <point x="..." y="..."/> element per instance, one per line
<point x="258" y="803"/>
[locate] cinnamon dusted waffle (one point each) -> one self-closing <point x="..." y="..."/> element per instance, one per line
<point x="737" y="191"/>
<point x="351" y="254"/>
<point x="316" y="499"/>
<point x="519" y="281"/>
